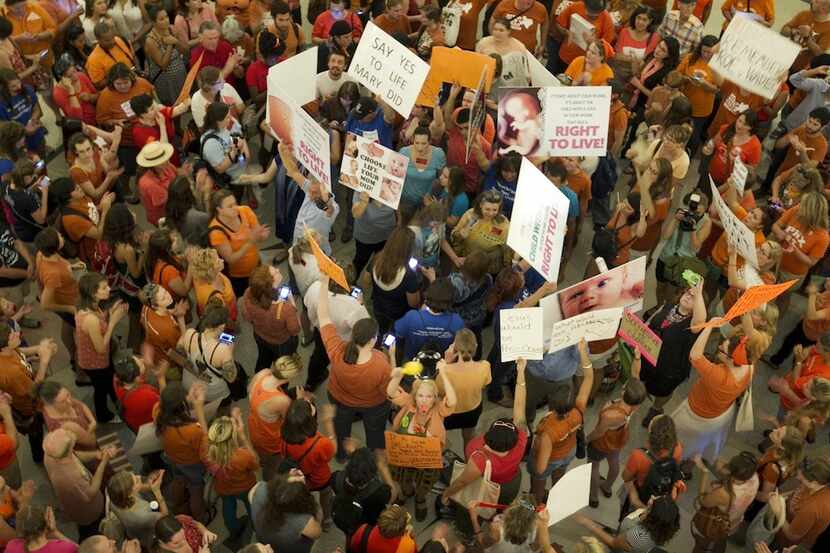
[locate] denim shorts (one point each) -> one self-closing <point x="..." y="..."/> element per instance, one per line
<point x="552" y="466"/>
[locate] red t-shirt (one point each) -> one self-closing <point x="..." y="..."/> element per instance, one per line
<point x="721" y="165"/>
<point x="378" y="544"/>
<point x="324" y="22"/>
<point x="217" y="58"/>
<point x="456" y="148"/>
<point x="142" y="134"/>
<point x="86" y="111"/>
<point x="8" y="449"/>
<point x="257" y="76"/>
<point x="504" y="467"/>
<point x="137" y="404"/>
<point x="153" y="191"/>
<point x="315" y="464"/>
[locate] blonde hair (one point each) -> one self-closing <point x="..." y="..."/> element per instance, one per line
<point x="812" y="211"/>
<point x="775" y="253"/>
<point x="465" y="344"/>
<point x="232" y="30"/>
<point x="429" y="383"/>
<point x="760" y="341"/>
<point x="222" y="441"/>
<point x="204" y="264"/>
<point x="791" y="450"/>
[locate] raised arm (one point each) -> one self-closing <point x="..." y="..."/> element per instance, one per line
<point x="520" y="396"/>
<point x="584" y="392"/>
<point x="699" y="347"/>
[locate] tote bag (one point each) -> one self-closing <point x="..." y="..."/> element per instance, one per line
<point x="744" y="422"/>
<point x="484" y="489"/>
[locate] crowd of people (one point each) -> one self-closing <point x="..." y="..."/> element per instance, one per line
<point x="145" y="244"/>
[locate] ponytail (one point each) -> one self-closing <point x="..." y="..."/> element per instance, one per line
<point x="351" y="353"/>
<point x="363" y="332"/>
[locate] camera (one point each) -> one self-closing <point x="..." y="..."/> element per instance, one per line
<point x="690" y="214"/>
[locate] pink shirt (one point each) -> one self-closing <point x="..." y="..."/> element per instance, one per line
<point x="87" y="357"/>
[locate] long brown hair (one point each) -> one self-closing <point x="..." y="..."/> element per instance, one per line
<point x="261" y="286"/>
<point x="394" y="255"/>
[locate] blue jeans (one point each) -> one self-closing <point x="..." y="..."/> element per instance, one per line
<point x="229" y="510"/>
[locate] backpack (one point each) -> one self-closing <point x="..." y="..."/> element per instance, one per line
<point x="661" y="477"/>
<point x="204" y="238"/>
<point x="347" y="508"/>
<point x="603" y="182"/>
<point x="223" y="180"/>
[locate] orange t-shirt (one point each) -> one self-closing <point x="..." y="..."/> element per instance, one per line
<point x="468" y="27"/>
<point x="720" y="253"/>
<point x="603" y="29"/>
<point x="204" y="290"/>
<point x="182" y="444"/>
<point x="814" y="366"/>
<point x="618" y="119"/>
<point x="624" y="235"/>
<point x="57" y="274"/>
<point x="524" y="27"/>
<point x="238" y="476"/>
<point x="734" y="102"/>
<point x="649" y="240"/>
<point x="700" y="7"/>
<point x="161" y="331"/>
<point x="703" y="102"/>
<point x="293" y="38"/>
<point x="240" y="9"/>
<point x="17" y="380"/>
<point x="732" y="294"/>
<point x="809" y="516"/>
<point x="391" y="27"/>
<point x="164" y="273"/>
<point x="764" y="8"/>
<point x="813" y="242"/>
<point x="35" y="21"/>
<point x="715" y="390"/>
<point x="813" y="329"/>
<point x="580" y="183"/>
<point x="96" y="177"/>
<point x="249" y="261"/>
<point x="100" y="61"/>
<point x="561" y="432"/>
<point x="821" y="34"/>
<point x="355" y="385"/>
<point x="111" y="104"/>
<point x="639" y="463"/>
<point x="599" y="77"/>
<point x="817" y="142"/>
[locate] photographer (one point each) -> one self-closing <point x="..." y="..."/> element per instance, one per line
<point x="684" y="233"/>
<point x="222" y="145"/>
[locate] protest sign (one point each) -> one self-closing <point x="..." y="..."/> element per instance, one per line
<point x="555" y="121"/>
<point x="419" y="452"/>
<point x="637" y="334"/>
<point x="388" y="68"/>
<point x="453" y="65"/>
<point x="539" y="74"/>
<point x="753" y="297"/>
<point x="739" y="236"/>
<point x="579" y="29"/>
<point x="477" y="113"/>
<point x="592" y="325"/>
<point x="326" y="265"/>
<point x="754" y="57"/>
<point x="569" y="494"/>
<point x="189" y="79"/>
<point x="521" y="333"/>
<point x="293" y="126"/>
<point x="739" y="174"/>
<point x="540" y="218"/>
<point x="622" y="286"/>
<point x="297" y="76"/>
<point x="374" y="169"/>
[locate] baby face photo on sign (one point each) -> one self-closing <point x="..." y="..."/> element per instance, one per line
<point x="371" y="168"/>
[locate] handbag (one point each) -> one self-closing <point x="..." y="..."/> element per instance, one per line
<point x="484" y="489"/>
<point x="111" y="526"/>
<point x="712" y="523"/>
<point x="745" y="422"/>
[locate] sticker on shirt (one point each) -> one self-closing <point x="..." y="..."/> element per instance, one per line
<point x="734" y="105"/>
<point x="127" y="109"/>
<point x="32" y="17"/>
<point x="371" y="135"/>
<point x="521" y="22"/>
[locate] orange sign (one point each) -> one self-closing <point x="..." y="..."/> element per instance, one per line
<point x="189" y="80"/>
<point x="329" y="267"/>
<point x="419" y="452"/>
<point x="454" y="65"/>
<point x="749" y="300"/>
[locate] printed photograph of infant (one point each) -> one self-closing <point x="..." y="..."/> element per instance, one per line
<point x="623" y="286"/>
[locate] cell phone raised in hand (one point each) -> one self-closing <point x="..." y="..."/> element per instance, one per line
<point x="43" y="182"/>
<point x="356" y="292"/>
<point x="227" y="338"/>
<point x="413" y="263"/>
<point x="389" y="340"/>
<point x="285" y="291"/>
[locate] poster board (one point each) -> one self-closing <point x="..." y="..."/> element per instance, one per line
<point x="754" y="57"/>
<point x="453" y="65"/>
<point x="521" y="333"/>
<point x="739" y="174"/>
<point x="297" y="76"/>
<point x="579" y="26"/>
<point x="554" y="121"/>
<point x="387" y="68"/>
<point x="293" y="126"/>
<point x="326" y="265"/>
<point x="419" y="452"/>
<point x="539" y="74"/>
<point x="372" y="168"/>
<point x="737" y="233"/>
<point x="569" y="494"/>
<point x="540" y="219"/>
<point x="477" y="113"/>
<point x="753" y="297"/>
<point x="638" y="335"/>
<point x="591" y="325"/>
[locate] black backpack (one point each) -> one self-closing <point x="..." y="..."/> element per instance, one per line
<point x="222" y="180"/>
<point x="347" y="508"/>
<point x="603" y="182"/>
<point x="661" y="477"/>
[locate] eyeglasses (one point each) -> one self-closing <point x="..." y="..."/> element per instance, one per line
<point x="504" y="424"/>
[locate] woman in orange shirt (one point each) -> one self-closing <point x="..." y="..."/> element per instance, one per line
<point x="209" y="281"/>
<point x="738" y="140"/>
<point x="230" y="457"/>
<point x="628" y="224"/>
<point x="166" y="269"/>
<point x="701" y="84"/>
<point x="235" y="232"/>
<point x="591" y="69"/>
<point x="163" y="326"/>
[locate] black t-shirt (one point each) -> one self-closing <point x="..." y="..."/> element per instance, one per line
<point x="391" y="302"/>
<point x="22" y="204"/>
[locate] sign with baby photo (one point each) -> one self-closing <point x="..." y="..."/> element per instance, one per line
<point x="739" y="236"/>
<point x="521" y="333"/>
<point x="596" y="325"/>
<point x="554" y="121"/>
<point x="374" y="169"/>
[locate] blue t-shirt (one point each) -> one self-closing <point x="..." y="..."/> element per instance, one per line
<point x="573" y="208"/>
<point x="507" y="189"/>
<point x="557" y="366"/>
<point x="19" y="108"/>
<point x="419" y="183"/>
<point x="420" y="327"/>
<point x="377" y="128"/>
<point x="460" y="204"/>
<point x="533" y="281"/>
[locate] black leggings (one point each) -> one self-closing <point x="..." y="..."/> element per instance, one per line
<point x="362" y="254"/>
<point x="318" y="364"/>
<point x="102" y="389"/>
<point x="268" y="353"/>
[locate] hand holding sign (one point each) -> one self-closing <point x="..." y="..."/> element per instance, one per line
<point x="325" y="263"/>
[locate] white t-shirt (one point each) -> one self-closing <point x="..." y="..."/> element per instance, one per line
<point x="199" y="104"/>
<point x="326" y="86"/>
<point x="344" y="310"/>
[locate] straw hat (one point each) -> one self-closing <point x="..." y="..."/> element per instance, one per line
<point x="154" y="154"/>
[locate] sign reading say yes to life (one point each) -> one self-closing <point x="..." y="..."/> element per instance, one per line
<point x="521" y="333"/>
<point x="387" y="68"/>
<point x="737" y="233"/>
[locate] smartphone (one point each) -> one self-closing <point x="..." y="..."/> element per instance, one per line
<point x="413" y="263"/>
<point x="40" y="165"/>
<point x="43" y="182"/>
<point x="356" y="292"/>
<point x="240" y="158"/>
<point x="388" y="340"/>
<point x="226" y="338"/>
<point x="43" y="54"/>
<point x="284" y="292"/>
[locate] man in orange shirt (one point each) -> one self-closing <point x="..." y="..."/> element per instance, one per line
<point x="617" y="120"/>
<point x="289" y="33"/>
<point x="109" y="51"/>
<point x="528" y="22"/>
<point x="33" y="29"/>
<point x="804" y="144"/>
<point x="811" y="30"/>
<point x="393" y="20"/>
<point x="469" y="25"/>
<point x="809" y="507"/>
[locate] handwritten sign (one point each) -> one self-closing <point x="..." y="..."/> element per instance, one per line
<point x="540" y="218"/>
<point x="189" y="79"/>
<point x="739" y="174"/>
<point x="521" y="333"/>
<point x="372" y="168"/>
<point x="292" y="125"/>
<point x="593" y="325"/>
<point x="324" y="262"/>
<point x="754" y="57"/>
<point x="751" y="299"/>
<point x="297" y="76"/>
<point x="739" y="236"/>
<point x="389" y="69"/>
<point x="569" y="494"/>
<point x="453" y="65"/>
<point x="637" y="334"/>
<point x="418" y="452"/>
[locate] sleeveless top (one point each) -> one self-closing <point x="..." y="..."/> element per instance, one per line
<point x="615" y="438"/>
<point x="79" y="417"/>
<point x="217" y="387"/>
<point x="160" y="331"/>
<point x="286" y="538"/>
<point x="265" y="436"/>
<point x="86" y="356"/>
<point x="561" y="432"/>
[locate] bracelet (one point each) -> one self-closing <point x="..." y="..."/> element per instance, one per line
<point x="588" y="366"/>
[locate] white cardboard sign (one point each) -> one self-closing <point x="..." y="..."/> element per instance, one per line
<point x="570" y="494"/>
<point x="739" y="174"/>
<point x="754" y="57"/>
<point x="576" y="120"/>
<point x="540" y="218"/>
<point x="297" y="76"/>
<point x="372" y="168"/>
<point x="521" y="333"/>
<point x="539" y="74"/>
<point x="591" y="325"/>
<point x="737" y="233"/>
<point x="387" y="68"/>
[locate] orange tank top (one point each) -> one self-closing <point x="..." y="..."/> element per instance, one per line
<point x="561" y="432"/>
<point x="265" y="436"/>
<point x="615" y="438"/>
